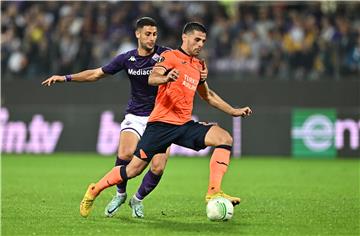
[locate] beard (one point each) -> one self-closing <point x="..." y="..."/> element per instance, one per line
<point x="196" y="52"/>
<point x="146" y="48"/>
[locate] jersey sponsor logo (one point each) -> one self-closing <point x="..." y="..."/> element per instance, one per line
<point x="139" y="72"/>
<point x="190" y="83"/>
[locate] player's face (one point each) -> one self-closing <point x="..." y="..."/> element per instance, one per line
<point x="194" y="42"/>
<point x="147" y="36"/>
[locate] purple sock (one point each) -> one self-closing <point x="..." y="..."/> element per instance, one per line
<point x="150" y="181"/>
<point x="121" y="188"/>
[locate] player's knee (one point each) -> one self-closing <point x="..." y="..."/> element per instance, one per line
<point x="158" y="164"/>
<point x="126" y="154"/>
<point x="226" y="139"/>
<point x="157" y="169"/>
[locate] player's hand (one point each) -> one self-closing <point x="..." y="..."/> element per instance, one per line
<point x="172" y="76"/>
<point x="53" y="79"/>
<point x="204" y="72"/>
<point x="243" y="112"/>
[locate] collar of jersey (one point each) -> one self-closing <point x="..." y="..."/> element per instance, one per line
<point x="155" y="49"/>
<point x="184" y="54"/>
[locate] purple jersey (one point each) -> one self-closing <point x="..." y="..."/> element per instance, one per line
<point x="138" y="69"/>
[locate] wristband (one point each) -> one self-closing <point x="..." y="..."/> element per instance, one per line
<point x="68" y="78"/>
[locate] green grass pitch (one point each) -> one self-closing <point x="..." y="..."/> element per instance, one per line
<point x="280" y="196"/>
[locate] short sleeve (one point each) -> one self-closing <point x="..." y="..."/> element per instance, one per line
<point x="166" y="60"/>
<point x="115" y="65"/>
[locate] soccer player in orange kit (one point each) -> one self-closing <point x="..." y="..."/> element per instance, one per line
<point x="178" y="76"/>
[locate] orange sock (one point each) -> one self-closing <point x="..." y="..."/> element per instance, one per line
<point x="218" y="166"/>
<point x="111" y="178"/>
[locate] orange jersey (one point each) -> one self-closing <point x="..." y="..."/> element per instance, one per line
<point x="174" y="100"/>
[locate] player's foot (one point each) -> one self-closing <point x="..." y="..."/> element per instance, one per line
<point x="137" y="207"/>
<point x="87" y="201"/>
<point x="234" y="200"/>
<point x="115" y="204"/>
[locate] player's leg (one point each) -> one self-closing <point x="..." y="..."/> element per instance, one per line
<point x="154" y="144"/>
<point x="115" y="176"/>
<point x="198" y="136"/>
<point x="153" y="176"/>
<point x="132" y="127"/>
<point x="219" y="162"/>
<point x="149" y="183"/>
<point x="127" y="144"/>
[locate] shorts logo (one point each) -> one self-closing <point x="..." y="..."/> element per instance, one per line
<point x="128" y="123"/>
<point x="142" y="154"/>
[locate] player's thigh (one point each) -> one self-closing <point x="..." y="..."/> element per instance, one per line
<point x="135" y="167"/>
<point x="217" y="136"/>
<point x="157" y="138"/>
<point x="193" y="135"/>
<point x="132" y="128"/>
<point x="127" y="144"/>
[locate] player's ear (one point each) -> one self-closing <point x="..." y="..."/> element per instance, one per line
<point x="137" y="33"/>
<point x="184" y="37"/>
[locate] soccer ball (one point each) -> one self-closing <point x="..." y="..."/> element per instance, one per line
<point x="219" y="209"/>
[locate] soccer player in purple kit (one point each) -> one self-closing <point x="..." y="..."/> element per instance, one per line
<point x="138" y="64"/>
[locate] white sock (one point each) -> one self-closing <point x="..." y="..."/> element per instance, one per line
<point x="137" y="199"/>
<point x="120" y="194"/>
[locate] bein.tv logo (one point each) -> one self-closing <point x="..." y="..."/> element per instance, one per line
<point x="317" y="132"/>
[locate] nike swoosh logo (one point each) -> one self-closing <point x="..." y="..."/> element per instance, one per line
<point x="136" y="213"/>
<point x="111" y="211"/>
<point x="221" y="163"/>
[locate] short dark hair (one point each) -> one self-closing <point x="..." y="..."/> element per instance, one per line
<point x="145" y="21"/>
<point x="189" y="27"/>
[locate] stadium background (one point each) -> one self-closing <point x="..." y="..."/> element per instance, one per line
<point x="275" y="57"/>
<point x="297" y="64"/>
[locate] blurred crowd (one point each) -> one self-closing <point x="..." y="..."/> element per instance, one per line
<point x="264" y="40"/>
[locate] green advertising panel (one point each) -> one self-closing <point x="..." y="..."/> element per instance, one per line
<point x="313" y="133"/>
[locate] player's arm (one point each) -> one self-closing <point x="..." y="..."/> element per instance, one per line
<point x="83" y="76"/>
<point x="216" y="101"/>
<point x="114" y="66"/>
<point x="203" y="72"/>
<point x="159" y="76"/>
